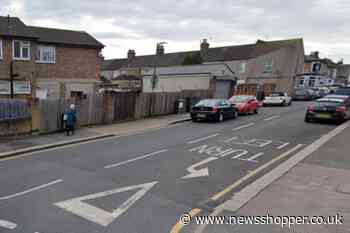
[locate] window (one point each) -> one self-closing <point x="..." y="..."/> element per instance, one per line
<point x="312" y="82"/>
<point x="242" y="67"/>
<point x="1" y="57"/>
<point x="46" y="54"/>
<point x="21" y="50"/>
<point x="268" y="67"/>
<point x="316" y="67"/>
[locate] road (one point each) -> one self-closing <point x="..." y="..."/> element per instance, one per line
<point x="143" y="183"/>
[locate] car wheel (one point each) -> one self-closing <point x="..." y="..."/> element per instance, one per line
<point x="290" y="103"/>
<point x="221" y="117"/>
<point x="235" y="115"/>
<point x="256" y="111"/>
<point x="194" y="119"/>
<point x="284" y="103"/>
<point x="307" y="120"/>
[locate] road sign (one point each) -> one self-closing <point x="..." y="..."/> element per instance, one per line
<point x="78" y="207"/>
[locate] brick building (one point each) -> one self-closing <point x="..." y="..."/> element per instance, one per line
<point x="46" y="62"/>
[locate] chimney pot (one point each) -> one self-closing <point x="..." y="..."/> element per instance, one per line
<point x="160" y="49"/>
<point x="131" y="54"/>
<point x="204" y="49"/>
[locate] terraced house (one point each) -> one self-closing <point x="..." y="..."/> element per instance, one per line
<point x="46" y="62"/>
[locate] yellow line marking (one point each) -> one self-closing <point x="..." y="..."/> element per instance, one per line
<point x="253" y="173"/>
<point x="178" y="226"/>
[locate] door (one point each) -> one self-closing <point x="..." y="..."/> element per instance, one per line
<point x="222" y="89"/>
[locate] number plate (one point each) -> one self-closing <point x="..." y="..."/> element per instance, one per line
<point x="323" y="116"/>
<point x="201" y="115"/>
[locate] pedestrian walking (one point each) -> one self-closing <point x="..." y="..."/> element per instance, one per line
<point x="70" y="120"/>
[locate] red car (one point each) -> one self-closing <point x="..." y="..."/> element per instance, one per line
<point x="245" y="103"/>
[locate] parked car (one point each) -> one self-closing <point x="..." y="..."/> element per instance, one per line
<point x="245" y="103"/>
<point x="343" y="91"/>
<point x="213" y="109"/>
<point x="304" y="94"/>
<point x="337" y="97"/>
<point x="335" y="109"/>
<point x="278" y="98"/>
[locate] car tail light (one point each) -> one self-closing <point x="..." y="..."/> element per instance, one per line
<point x="341" y="109"/>
<point x="215" y="109"/>
<point x="311" y="108"/>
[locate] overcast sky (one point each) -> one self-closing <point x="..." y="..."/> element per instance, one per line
<point x="139" y="24"/>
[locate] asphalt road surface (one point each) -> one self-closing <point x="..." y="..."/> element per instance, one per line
<point x="143" y="183"/>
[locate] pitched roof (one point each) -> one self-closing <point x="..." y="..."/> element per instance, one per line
<point x="218" y="54"/>
<point x="14" y="27"/>
<point x="59" y="36"/>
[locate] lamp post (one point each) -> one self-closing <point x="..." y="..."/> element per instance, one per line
<point x="154" y="79"/>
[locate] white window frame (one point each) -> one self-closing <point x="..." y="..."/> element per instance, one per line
<point x="268" y="67"/>
<point x="242" y="67"/>
<point x="1" y="50"/>
<point x="39" y="52"/>
<point x="21" y="50"/>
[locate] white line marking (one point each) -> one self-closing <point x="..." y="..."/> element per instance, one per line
<point x="201" y="172"/>
<point x="202" y="139"/>
<point x="31" y="190"/>
<point x="243" y="126"/>
<point x="7" y="224"/>
<point x="272" y="118"/>
<point x="135" y="159"/>
<point x="283" y="146"/>
<point x="78" y="207"/>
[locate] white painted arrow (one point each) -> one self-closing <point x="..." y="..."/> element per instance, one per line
<point x="201" y="172"/>
<point x="7" y="224"/>
<point x="100" y="216"/>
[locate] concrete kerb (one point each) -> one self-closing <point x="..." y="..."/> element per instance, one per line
<point x="74" y="141"/>
<point x="52" y="145"/>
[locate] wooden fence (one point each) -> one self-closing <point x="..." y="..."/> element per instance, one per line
<point x="113" y="107"/>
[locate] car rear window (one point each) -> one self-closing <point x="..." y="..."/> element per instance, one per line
<point x="327" y="103"/>
<point x="240" y="99"/>
<point x="207" y="103"/>
<point x="277" y="94"/>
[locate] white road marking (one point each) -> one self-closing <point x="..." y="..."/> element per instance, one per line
<point x="136" y="159"/>
<point x="7" y="224"/>
<point x="31" y="190"/>
<point x="199" y="173"/>
<point x="272" y="118"/>
<point x="254" y="157"/>
<point x="283" y="146"/>
<point x="89" y="212"/>
<point x="202" y="139"/>
<point x="243" y="126"/>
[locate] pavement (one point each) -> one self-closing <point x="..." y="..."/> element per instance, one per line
<point x="28" y="143"/>
<point x="142" y="182"/>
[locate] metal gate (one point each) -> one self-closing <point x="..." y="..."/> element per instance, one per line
<point x="222" y="89"/>
<point x="124" y="106"/>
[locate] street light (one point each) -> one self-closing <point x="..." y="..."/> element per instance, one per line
<point x="154" y="79"/>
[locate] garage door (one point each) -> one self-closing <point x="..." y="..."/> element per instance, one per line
<point x="223" y="89"/>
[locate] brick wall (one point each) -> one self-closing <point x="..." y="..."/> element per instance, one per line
<point x="72" y="63"/>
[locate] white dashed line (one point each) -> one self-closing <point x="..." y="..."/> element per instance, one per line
<point x="30" y="190"/>
<point x="202" y="139"/>
<point x="272" y="118"/>
<point x="7" y="224"/>
<point x="135" y="159"/>
<point x="243" y="126"/>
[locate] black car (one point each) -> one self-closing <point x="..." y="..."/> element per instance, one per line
<point x="214" y="109"/>
<point x="335" y="109"/>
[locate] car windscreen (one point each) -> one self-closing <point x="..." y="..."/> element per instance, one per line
<point x="300" y="92"/>
<point x="328" y="103"/>
<point x="207" y="103"/>
<point x="240" y="99"/>
<point x="343" y="91"/>
<point x="276" y="94"/>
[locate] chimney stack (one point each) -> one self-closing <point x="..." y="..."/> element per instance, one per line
<point x="131" y="55"/>
<point x="160" y="49"/>
<point x="204" y="49"/>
